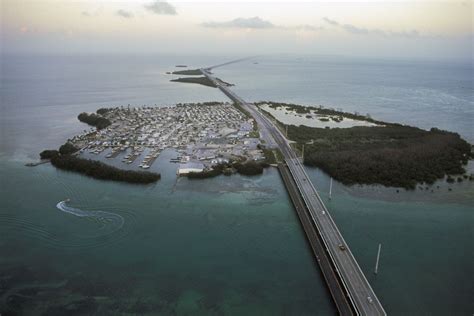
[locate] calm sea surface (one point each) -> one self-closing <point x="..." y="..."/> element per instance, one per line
<point x="229" y="245"/>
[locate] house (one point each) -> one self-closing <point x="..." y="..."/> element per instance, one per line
<point x="190" y="167"/>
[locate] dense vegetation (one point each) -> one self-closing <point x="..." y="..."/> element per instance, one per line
<point x="94" y="120"/>
<point x="248" y="168"/>
<point x="272" y="156"/>
<point x="67" y="149"/>
<point x="63" y="159"/>
<point x="188" y="72"/>
<point x="48" y="154"/>
<point x="392" y="155"/>
<point x="199" y="80"/>
<point x="99" y="170"/>
<point x="102" y="111"/>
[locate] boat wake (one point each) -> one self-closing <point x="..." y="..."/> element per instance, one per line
<point x="101" y="217"/>
<point x="108" y="228"/>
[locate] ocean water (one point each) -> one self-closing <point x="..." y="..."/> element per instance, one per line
<point x="423" y="94"/>
<point x="228" y="245"/>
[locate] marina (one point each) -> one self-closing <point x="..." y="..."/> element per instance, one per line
<point x="209" y="133"/>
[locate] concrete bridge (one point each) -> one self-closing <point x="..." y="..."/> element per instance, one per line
<point x="347" y="283"/>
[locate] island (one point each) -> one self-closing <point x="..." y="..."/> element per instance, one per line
<point x="368" y="151"/>
<point x="203" y="80"/>
<point x="214" y="138"/>
<point x="188" y="72"/>
<point x="206" y="140"/>
<point x="199" y="80"/>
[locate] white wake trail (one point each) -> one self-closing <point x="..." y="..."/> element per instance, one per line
<point x="103" y="217"/>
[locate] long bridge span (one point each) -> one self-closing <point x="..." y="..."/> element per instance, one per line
<point x="348" y="285"/>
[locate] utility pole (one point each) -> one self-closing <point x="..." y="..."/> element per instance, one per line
<point x="286" y="131"/>
<point x="302" y="153"/>
<point x="330" y="189"/>
<point x="377" y="262"/>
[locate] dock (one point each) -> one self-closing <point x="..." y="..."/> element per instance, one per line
<point x="34" y="164"/>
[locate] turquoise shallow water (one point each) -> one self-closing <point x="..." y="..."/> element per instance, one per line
<point x="229" y="245"/>
<point x="226" y="245"/>
<point x="235" y="248"/>
<point x="427" y="253"/>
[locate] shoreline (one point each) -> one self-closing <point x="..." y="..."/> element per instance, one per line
<point x="391" y="151"/>
<point x="419" y="185"/>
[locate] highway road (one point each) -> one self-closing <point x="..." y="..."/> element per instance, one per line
<point x="356" y="285"/>
<point x="229" y="62"/>
<point x="333" y="281"/>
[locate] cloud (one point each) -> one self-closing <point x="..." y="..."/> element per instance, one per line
<point x="161" y="7"/>
<point x="247" y="23"/>
<point x="258" y="23"/>
<point x="357" y="30"/>
<point x="307" y="27"/>
<point x="124" y="14"/>
<point x="347" y="27"/>
<point x="93" y="12"/>
<point x="350" y="28"/>
<point x="329" y="21"/>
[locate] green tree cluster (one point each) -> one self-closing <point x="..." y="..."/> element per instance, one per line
<point x="48" y="154"/>
<point x="199" y="80"/>
<point x="102" y="111"/>
<point x="250" y="168"/>
<point x="392" y="155"/>
<point x="99" y="170"/>
<point x="67" y="149"/>
<point x="94" y="120"/>
<point x="188" y="72"/>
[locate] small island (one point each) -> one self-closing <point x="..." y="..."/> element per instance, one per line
<point x="188" y="72"/>
<point x="381" y="153"/>
<point x="203" y="80"/>
<point x="199" y="80"/>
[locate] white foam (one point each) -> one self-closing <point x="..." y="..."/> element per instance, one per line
<point x="102" y="216"/>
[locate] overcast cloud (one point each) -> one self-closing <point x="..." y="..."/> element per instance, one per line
<point x="350" y="28"/>
<point x="124" y="14"/>
<point x="247" y="23"/>
<point x="161" y="7"/>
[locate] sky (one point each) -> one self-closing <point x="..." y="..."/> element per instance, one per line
<point x="416" y="29"/>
